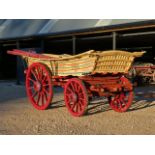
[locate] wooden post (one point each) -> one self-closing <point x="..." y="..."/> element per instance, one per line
<point x="114" y="40"/>
<point x="42" y="45"/>
<point x="17" y="44"/>
<point x="74" y="45"/>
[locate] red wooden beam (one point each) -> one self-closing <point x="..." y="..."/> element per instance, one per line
<point x="30" y="54"/>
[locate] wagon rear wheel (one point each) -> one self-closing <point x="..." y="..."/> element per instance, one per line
<point x="39" y="86"/>
<point x="122" y="100"/>
<point x="75" y="96"/>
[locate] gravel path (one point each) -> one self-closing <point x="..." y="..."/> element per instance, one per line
<point x="17" y="116"/>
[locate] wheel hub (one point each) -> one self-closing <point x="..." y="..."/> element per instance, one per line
<point x="38" y="86"/>
<point x="75" y="97"/>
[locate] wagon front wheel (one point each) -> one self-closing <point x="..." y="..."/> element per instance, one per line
<point x="75" y="96"/>
<point x="39" y="86"/>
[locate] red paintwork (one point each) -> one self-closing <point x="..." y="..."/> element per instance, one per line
<point x="75" y="96"/>
<point x="121" y="101"/>
<point x="116" y="88"/>
<point x="30" y="54"/>
<point x="77" y="90"/>
<point x="39" y="86"/>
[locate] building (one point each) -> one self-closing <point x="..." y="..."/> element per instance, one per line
<point x="72" y="36"/>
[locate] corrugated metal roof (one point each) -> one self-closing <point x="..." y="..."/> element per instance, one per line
<point x="12" y="28"/>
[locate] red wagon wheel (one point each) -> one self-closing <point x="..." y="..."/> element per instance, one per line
<point x="75" y="96"/>
<point x="39" y="86"/>
<point x="121" y="101"/>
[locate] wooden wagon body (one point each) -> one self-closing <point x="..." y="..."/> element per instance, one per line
<point x="83" y="76"/>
